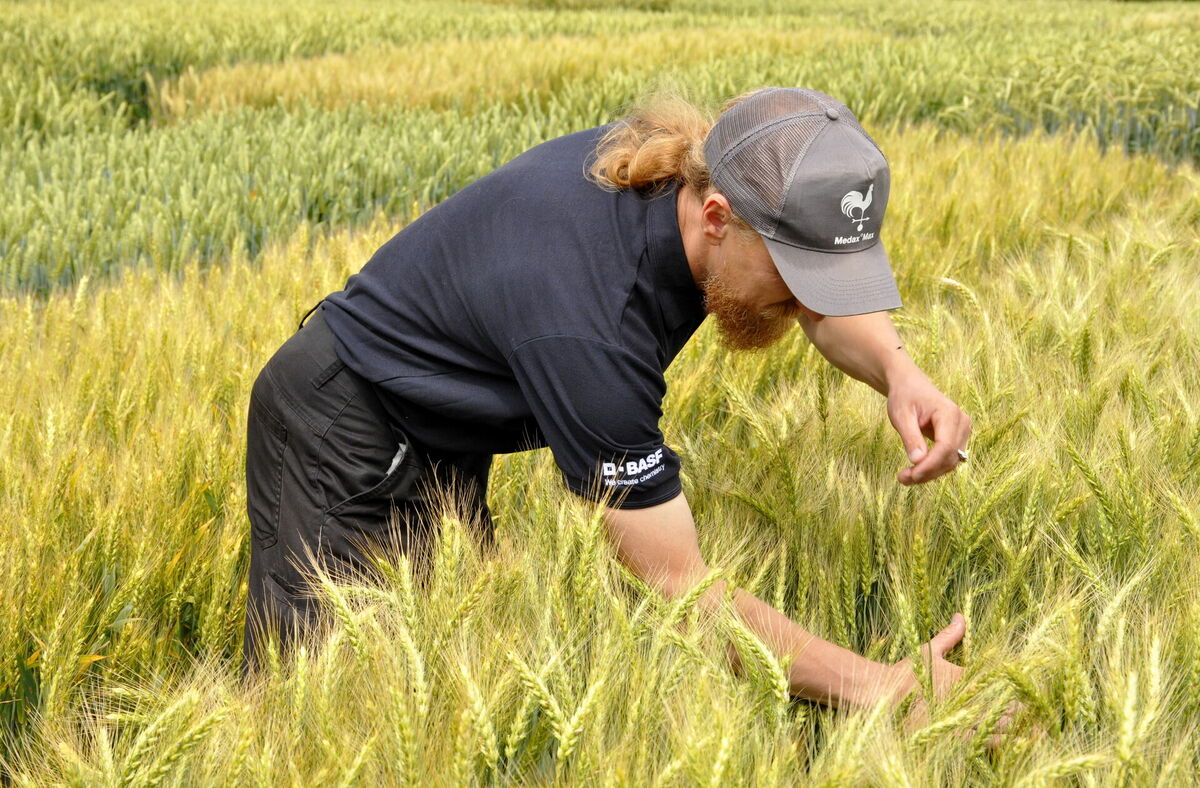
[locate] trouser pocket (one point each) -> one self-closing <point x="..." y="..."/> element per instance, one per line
<point x="373" y="476"/>
<point x="399" y="477"/>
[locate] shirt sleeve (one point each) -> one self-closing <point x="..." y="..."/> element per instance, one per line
<point x="598" y="405"/>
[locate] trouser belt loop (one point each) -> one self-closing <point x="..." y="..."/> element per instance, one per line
<point x="328" y="373"/>
<point x="309" y="312"/>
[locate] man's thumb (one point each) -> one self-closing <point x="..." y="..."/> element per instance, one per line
<point x="948" y="638"/>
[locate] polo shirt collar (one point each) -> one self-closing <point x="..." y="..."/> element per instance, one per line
<point x="681" y="301"/>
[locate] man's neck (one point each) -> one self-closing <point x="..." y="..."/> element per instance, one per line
<point x="687" y="212"/>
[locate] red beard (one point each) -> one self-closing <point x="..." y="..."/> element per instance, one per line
<point x="740" y="327"/>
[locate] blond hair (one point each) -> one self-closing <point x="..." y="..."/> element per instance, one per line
<point x="660" y="139"/>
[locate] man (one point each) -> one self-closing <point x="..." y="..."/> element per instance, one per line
<point x="542" y="304"/>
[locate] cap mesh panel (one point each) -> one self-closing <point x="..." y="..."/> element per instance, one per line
<point x="751" y="155"/>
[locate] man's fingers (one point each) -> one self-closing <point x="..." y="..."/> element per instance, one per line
<point x="909" y="428"/>
<point x="943" y="455"/>
<point x="948" y="638"/>
<point x="1014" y="708"/>
<point x="917" y="716"/>
<point x="923" y="414"/>
<point x="995" y="737"/>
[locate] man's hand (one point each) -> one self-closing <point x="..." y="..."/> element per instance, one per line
<point x="867" y="348"/>
<point x="902" y="680"/>
<point x="918" y="411"/>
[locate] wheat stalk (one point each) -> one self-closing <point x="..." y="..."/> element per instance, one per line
<point x="139" y="752"/>
<point x="536" y="686"/>
<point x="1054" y="773"/>
<point x="172" y="756"/>
<point x="724" y="749"/>
<point x="573" y="729"/>
<point x="406" y="750"/>
<point x="481" y="719"/>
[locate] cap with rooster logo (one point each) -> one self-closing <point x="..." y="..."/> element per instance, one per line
<point x="797" y="166"/>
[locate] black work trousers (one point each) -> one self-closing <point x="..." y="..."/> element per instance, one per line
<point x="329" y="473"/>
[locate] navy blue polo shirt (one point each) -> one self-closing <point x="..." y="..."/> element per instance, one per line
<point x="532" y="308"/>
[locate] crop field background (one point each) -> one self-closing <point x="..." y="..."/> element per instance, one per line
<point x="181" y="182"/>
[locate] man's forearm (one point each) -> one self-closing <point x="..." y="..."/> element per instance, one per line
<point x="819" y="670"/>
<point x="865" y="347"/>
<point x="659" y="545"/>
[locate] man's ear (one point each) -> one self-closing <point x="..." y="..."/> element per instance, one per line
<point x="715" y="216"/>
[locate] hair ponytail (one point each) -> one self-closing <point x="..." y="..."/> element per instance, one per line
<point x="660" y="139"/>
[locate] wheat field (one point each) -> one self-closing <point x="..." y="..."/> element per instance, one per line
<point x="184" y="183"/>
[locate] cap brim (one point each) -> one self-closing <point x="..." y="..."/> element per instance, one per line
<point x="837" y="283"/>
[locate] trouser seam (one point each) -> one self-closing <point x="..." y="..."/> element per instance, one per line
<point x="283" y="394"/>
<point x="317" y="471"/>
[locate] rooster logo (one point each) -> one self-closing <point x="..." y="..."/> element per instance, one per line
<point x="854" y="201"/>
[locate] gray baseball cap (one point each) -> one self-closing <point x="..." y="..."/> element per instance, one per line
<point x="797" y="166"/>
